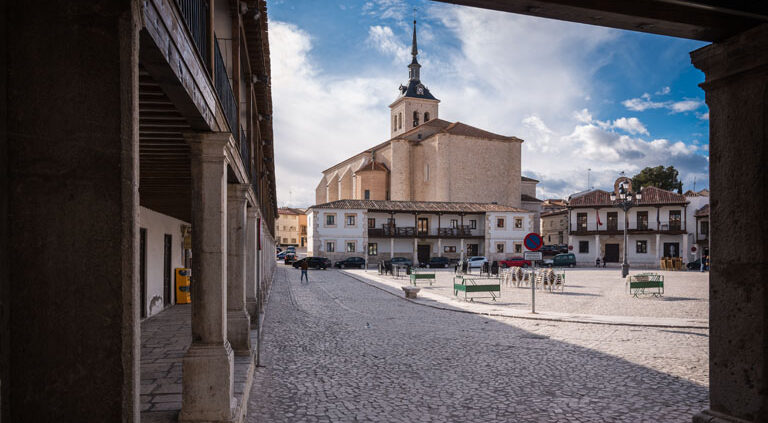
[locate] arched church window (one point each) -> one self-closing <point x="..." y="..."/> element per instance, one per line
<point x="426" y="116"/>
<point x="400" y="120"/>
<point x="415" y="118"/>
<point x="394" y="122"/>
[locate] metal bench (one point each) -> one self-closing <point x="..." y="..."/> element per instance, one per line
<point x="470" y="285"/>
<point x="646" y="283"/>
<point x="427" y="276"/>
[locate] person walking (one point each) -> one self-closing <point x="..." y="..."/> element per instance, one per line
<point x="703" y="265"/>
<point x="304" y="268"/>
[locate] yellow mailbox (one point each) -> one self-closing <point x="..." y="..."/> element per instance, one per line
<point x="183" y="294"/>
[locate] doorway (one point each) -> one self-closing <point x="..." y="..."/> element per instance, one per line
<point x="143" y="270"/>
<point x="167" y="294"/>
<point x="423" y="253"/>
<point x="611" y="253"/>
<point x="671" y="249"/>
<point x="472" y="250"/>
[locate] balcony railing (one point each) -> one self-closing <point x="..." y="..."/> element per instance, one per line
<point x="224" y="90"/>
<point x="634" y="227"/>
<point x="195" y="14"/>
<point x="387" y="231"/>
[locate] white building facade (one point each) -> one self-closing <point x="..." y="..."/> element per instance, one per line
<point x="661" y="224"/>
<point x="382" y="230"/>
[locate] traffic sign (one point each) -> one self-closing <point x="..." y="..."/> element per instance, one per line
<point x="532" y="255"/>
<point x="533" y="241"/>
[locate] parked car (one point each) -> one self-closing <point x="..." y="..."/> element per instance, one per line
<point x="561" y="260"/>
<point x="515" y="262"/>
<point x="694" y="265"/>
<point x="435" y="262"/>
<point x="550" y="250"/>
<point x="476" y="261"/>
<point x="350" y="262"/>
<point x="402" y="261"/>
<point x="290" y="248"/>
<point x="563" y="248"/>
<point x="314" y="262"/>
<point x="281" y="255"/>
<point x="289" y="257"/>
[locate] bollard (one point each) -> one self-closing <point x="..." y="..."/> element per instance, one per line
<point x="532" y="280"/>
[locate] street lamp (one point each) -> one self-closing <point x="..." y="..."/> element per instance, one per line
<point x="627" y="200"/>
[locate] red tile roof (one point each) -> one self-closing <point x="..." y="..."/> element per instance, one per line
<point x="702" y="212"/>
<point x="291" y="211"/>
<point x="525" y="197"/>
<point x="652" y="196"/>
<point x="418" y="206"/>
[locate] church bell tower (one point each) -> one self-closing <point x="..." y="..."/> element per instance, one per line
<point x="415" y="104"/>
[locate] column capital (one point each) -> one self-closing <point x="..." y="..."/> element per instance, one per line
<point x="237" y="191"/>
<point x="253" y="213"/>
<point x="208" y="144"/>
<point x="747" y="51"/>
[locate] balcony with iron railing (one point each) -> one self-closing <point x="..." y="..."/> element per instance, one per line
<point x="224" y="90"/>
<point x="673" y="227"/>
<point x="387" y="231"/>
<point x="195" y="14"/>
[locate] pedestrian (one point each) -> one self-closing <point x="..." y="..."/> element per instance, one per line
<point x="304" y="268"/>
<point x="702" y="265"/>
<point x="603" y="261"/>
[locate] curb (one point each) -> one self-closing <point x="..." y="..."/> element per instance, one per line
<point x="375" y="284"/>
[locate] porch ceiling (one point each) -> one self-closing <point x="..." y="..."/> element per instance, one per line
<point x="164" y="168"/>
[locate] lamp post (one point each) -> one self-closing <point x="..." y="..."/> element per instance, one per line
<point x="627" y="200"/>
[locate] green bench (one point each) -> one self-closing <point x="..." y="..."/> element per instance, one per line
<point x="470" y="285"/>
<point x="646" y="283"/>
<point x="426" y="276"/>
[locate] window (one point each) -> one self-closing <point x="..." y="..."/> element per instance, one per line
<point x="423" y="225"/>
<point x="285" y="240"/>
<point x="500" y="247"/>
<point x="330" y="246"/>
<point x="400" y="120"/>
<point x="518" y="248"/>
<point x="367" y="194"/>
<point x="613" y="221"/>
<point x="293" y="240"/>
<point x="426" y="172"/>
<point x="500" y="222"/>
<point x="581" y="221"/>
<point x="371" y="222"/>
<point x="350" y="246"/>
<point x="373" y="249"/>
<point x="387" y="198"/>
<point x="426" y="116"/>
<point x="394" y="123"/>
<point x="642" y="247"/>
<point x="415" y="118"/>
<point x="674" y="220"/>
<point x="549" y="238"/>
<point x="518" y="223"/>
<point x="449" y="249"/>
<point x="642" y="220"/>
<point x="583" y="247"/>
<point x="704" y="228"/>
<point x="293" y="228"/>
<point x="349" y="220"/>
<point x="455" y="223"/>
<point x="330" y="220"/>
<point x="473" y="224"/>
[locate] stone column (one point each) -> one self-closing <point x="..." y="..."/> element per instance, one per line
<point x="597" y="247"/>
<point x="252" y="264"/>
<point x="416" y="251"/>
<point x="238" y="321"/>
<point x="69" y="176"/>
<point x="207" y="383"/>
<point x="391" y="248"/>
<point x="659" y="252"/>
<point x="736" y="87"/>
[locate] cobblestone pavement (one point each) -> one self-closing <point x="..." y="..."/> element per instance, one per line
<point x="596" y="291"/>
<point x="340" y="350"/>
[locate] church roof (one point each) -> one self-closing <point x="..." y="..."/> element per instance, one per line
<point x="527" y="179"/>
<point x="439" y="126"/>
<point x="415" y="89"/>
<point x="419" y="206"/>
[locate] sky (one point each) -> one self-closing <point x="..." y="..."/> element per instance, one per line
<point x="589" y="102"/>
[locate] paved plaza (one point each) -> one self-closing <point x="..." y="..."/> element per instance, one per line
<point x="338" y="349"/>
<point x="600" y="292"/>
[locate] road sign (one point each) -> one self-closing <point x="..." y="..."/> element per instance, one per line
<point x="533" y="241"/>
<point x="532" y="255"/>
<point x="693" y="249"/>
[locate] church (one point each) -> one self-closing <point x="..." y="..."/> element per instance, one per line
<point x="428" y="160"/>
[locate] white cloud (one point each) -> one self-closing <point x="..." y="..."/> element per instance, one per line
<point x="631" y="125"/>
<point x="383" y="39"/>
<point x="703" y="116"/>
<point x="663" y="91"/>
<point x="644" y="102"/>
<point x="386" y="9"/>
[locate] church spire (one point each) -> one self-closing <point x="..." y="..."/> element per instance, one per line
<point x="414" y="67"/>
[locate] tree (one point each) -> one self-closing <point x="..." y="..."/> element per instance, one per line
<point x="658" y="177"/>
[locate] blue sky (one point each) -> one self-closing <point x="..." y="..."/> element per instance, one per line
<point x="582" y="97"/>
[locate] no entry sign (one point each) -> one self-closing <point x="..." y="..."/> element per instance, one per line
<point x="533" y="241"/>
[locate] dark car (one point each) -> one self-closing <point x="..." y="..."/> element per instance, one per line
<point x="358" y="262"/>
<point x="561" y="260"/>
<point x="289" y="257"/>
<point x="696" y="265"/>
<point x="550" y="250"/>
<point x="314" y="263"/>
<point x="401" y="261"/>
<point x="435" y="262"/>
